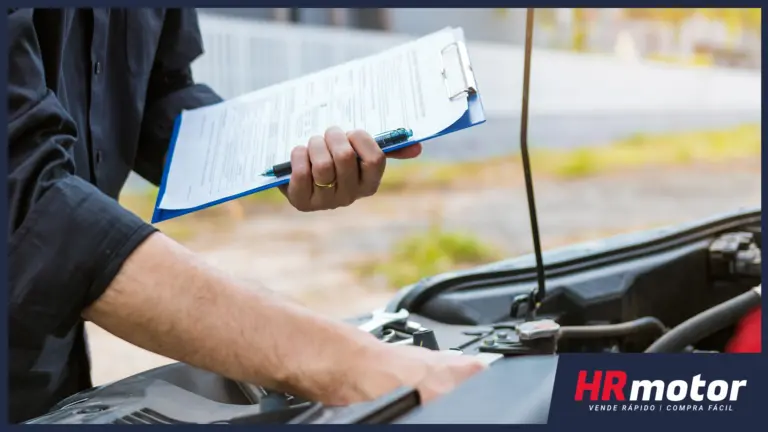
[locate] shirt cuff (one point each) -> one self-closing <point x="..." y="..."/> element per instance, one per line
<point x="157" y="130"/>
<point x="66" y="253"/>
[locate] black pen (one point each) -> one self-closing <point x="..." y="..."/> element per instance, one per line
<point x="384" y="140"/>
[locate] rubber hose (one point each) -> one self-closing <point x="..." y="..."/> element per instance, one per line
<point x="644" y="324"/>
<point x="706" y="323"/>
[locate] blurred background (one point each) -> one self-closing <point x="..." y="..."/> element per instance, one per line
<point x="639" y="118"/>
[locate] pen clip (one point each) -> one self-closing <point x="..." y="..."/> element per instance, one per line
<point x="467" y="74"/>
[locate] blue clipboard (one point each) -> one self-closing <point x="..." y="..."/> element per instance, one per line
<point x="474" y="115"/>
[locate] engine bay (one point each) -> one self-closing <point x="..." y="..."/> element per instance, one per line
<point x="179" y="393"/>
<point x="676" y="290"/>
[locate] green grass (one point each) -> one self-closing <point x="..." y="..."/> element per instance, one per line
<point x="636" y="151"/>
<point x="673" y="149"/>
<point x="437" y="251"/>
<point x="427" y="254"/>
<point x="421" y="175"/>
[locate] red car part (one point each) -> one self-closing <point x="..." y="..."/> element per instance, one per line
<point x="747" y="337"/>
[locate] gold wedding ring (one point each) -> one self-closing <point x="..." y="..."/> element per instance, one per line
<point x="329" y="185"/>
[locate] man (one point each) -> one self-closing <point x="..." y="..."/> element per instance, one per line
<point x="92" y="95"/>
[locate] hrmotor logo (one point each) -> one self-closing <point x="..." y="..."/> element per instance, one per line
<point x="610" y="390"/>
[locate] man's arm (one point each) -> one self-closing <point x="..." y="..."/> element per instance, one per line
<point x="168" y="301"/>
<point x="74" y="251"/>
<point x="171" y="89"/>
<point x="329" y="159"/>
<point x="66" y="239"/>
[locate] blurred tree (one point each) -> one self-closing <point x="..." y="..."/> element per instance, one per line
<point x="501" y="12"/>
<point x="734" y="24"/>
<point x="735" y="19"/>
<point x="579" y="35"/>
<point x="752" y="18"/>
<point x="338" y="17"/>
<point x="371" y="18"/>
<point x="671" y="15"/>
<point x="546" y="18"/>
<point x="294" y="15"/>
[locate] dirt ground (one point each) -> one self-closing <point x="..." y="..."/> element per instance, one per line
<point x="310" y="255"/>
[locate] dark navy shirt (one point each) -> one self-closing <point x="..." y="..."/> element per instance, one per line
<point x="92" y="95"/>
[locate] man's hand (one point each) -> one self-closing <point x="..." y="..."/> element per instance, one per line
<point x="168" y="301"/>
<point x="434" y="373"/>
<point x="326" y="174"/>
<point x="383" y="369"/>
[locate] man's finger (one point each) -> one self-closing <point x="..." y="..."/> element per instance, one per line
<point x="409" y="152"/>
<point x="372" y="161"/>
<point x="323" y="174"/>
<point x="323" y="170"/>
<point x="299" y="189"/>
<point x="345" y="162"/>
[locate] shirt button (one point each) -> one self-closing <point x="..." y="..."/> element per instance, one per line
<point x="97" y="68"/>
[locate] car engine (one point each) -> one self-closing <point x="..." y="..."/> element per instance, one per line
<point x="693" y="288"/>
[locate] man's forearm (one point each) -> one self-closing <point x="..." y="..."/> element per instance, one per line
<point x="166" y="300"/>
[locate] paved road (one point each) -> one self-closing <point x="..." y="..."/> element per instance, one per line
<point x="567" y="211"/>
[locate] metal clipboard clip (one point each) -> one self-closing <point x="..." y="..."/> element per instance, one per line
<point x="468" y="75"/>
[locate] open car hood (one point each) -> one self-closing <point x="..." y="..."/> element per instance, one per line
<point x="576" y="257"/>
<point x="624" y="294"/>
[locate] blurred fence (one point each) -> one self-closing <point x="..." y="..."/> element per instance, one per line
<point x="243" y="55"/>
<point x="576" y="99"/>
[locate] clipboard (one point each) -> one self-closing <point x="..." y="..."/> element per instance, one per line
<point x="473" y="116"/>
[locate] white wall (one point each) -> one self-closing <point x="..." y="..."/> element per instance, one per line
<point x="245" y="55"/>
<point x="575" y="99"/>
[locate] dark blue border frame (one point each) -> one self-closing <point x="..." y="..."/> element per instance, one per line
<point x="563" y="409"/>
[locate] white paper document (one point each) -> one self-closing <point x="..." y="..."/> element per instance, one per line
<point x="221" y="150"/>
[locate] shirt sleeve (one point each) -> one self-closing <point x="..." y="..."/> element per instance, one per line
<point x="171" y="89"/>
<point x="66" y="239"/>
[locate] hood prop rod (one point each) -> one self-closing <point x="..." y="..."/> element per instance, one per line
<point x="532" y="300"/>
